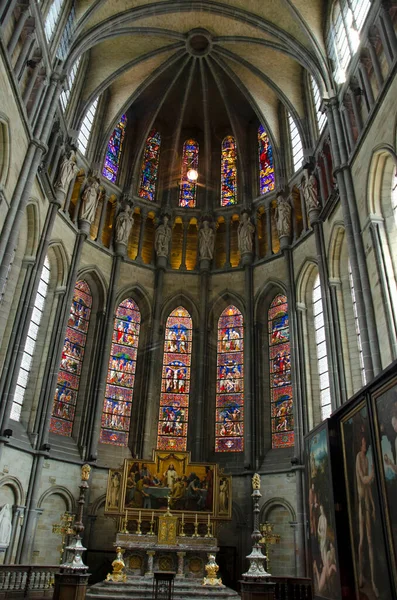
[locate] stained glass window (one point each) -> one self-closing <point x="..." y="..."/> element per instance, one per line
<point x="150" y="166"/>
<point x="113" y="152"/>
<point x="229" y="172"/>
<point x="121" y="375"/>
<point x="229" y="426"/>
<point x="51" y="19"/>
<point x="69" y="374"/>
<point x="65" y="94"/>
<point x="321" y="348"/>
<point x="30" y="343"/>
<point x="175" y="382"/>
<point x="188" y="189"/>
<point x="296" y="144"/>
<point x="280" y="374"/>
<point x="266" y="167"/>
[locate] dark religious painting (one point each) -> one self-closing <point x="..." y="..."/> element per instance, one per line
<point x="229" y="172"/>
<point x="188" y="189"/>
<point x="320" y="502"/>
<point x="150" y="166"/>
<point x="280" y="374"/>
<point x="367" y="538"/>
<point x="113" y="151"/>
<point x="266" y="166"/>
<point x="175" y="382"/>
<point x="385" y="402"/>
<point x="121" y="375"/>
<point x="63" y="410"/>
<point x="229" y="425"/>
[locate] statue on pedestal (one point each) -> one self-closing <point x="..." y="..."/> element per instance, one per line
<point x="283" y="216"/>
<point x="245" y="234"/>
<point x="124" y="223"/>
<point x="206" y="241"/>
<point x="67" y="171"/>
<point x="90" y="200"/>
<point x="5" y="525"/>
<point x="310" y="192"/>
<point x="162" y="238"/>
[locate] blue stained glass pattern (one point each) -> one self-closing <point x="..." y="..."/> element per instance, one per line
<point x="150" y="166"/>
<point x="113" y="152"/>
<point x="229" y="420"/>
<point x="188" y="189"/>
<point x="229" y="172"/>
<point x="266" y="166"/>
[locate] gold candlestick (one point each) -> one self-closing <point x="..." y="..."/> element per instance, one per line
<point x="151" y="532"/>
<point x="138" y="529"/>
<point x="208" y="534"/>
<point x="125" y="524"/>
<point x="268" y="538"/>
<point x="182" y="531"/>
<point x="195" y="534"/>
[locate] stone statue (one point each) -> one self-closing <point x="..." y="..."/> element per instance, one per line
<point x="124" y="223"/>
<point x="67" y="171"/>
<point x="283" y="216"/>
<point x="90" y="200"/>
<point x="206" y="241"/>
<point x="85" y="472"/>
<point x="5" y="525"/>
<point x="310" y="192"/>
<point x="162" y="238"/>
<point x="245" y="234"/>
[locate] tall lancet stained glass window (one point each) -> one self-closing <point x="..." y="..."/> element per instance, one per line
<point x="266" y="166"/>
<point x="229" y="172"/>
<point x="121" y="375"/>
<point x="113" y="152"/>
<point x="229" y="426"/>
<point x="175" y="382"/>
<point x="280" y="374"/>
<point x="65" y="398"/>
<point x="188" y="188"/>
<point x="150" y="166"/>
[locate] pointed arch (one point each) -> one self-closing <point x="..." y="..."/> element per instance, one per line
<point x="281" y="397"/>
<point x="121" y="374"/>
<point x="188" y="188"/>
<point x="228" y="171"/>
<point x="113" y="151"/>
<point x="266" y="165"/>
<point x="150" y="166"/>
<point x="229" y="418"/>
<point x="175" y="381"/>
<point x="65" y="399"/>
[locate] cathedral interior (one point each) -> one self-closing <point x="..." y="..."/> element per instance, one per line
<point x="198" y="254"/>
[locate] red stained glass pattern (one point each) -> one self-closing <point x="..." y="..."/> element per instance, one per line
<point x="229" y="427"/>
<point x="280" y="374"/>
<point x="113" y="152"/>
<point x="150" y="166"/>
<point x="188" y="189"/>
<point x="175" y="382"/>
<point x="266" y="166"/>
<point x="229" y="172"/>
<point x="63" y="409"/>
<point x="121" y="375"/>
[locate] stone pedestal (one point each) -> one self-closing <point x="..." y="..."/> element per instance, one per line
<point x="284" y="241"/>
<point x="70" y="586"/>
<point x="257" y="590"/>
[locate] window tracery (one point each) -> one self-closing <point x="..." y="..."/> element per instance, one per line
<point x="150" y="166"/>
<point x="65" y="399"/>
<point x="120" y="380"/>
<point x="296" y="144"/>
<point x="229" y="421"/>
<point x="280" y="374"/>
<point x="266" y="166"/>
<point x="113" y="151"/>
<point x="320" y="116"/>
<point x="175" y="382"/>
<point x="86" y="127"/>
<point x="321" y="350"/>
<point x="188" y="189"/>
<point x="229" y="171"/>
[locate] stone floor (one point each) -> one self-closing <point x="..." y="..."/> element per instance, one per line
<point x="141" y="588"/>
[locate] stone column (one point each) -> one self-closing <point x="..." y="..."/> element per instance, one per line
<point x="180" y="572"/>
<point x="227" y="242"/>
<point x="356" y="112"/>
<point x="6" y="9"/>
<point x="369" y="95"/>
<point x="42" y="83"/>
<point x="144" y="213"/>
<point x="32" y="80"/>
<point x="339" y="359"/>
<point x="375" y="60"/>
<point x="101" y="225"/>
<point x="328" y="174"/>
<point x="250" y="431"/>
<point x="59" y="151"/>
<point x="320" y="179"/>
<point x="198" y="449"/>
<point x="16" y="34"/>
<point x="350" y="142"/>
<point x="24" y="54"/>
<point x="362" y="290"/>
<point x="185" y="224"/>
<point x="303" y="209"/>
<point x="387" y="33"/>
<point x="302" y="335"/>
<point x="268" y="212"/>
<point x="150" y="561"/>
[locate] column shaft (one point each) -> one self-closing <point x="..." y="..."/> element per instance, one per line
<point x="369" y="95"/>
<point x="141" y="236"/>
<point x="16" y="34"/>
<point x="249" y="413"/>
<point x="185" y="225"/>
<point x="199" y="424"/>
<point x="375" y="63"/>
<point x="268" y="212"/>
<point x="227" y="243"/>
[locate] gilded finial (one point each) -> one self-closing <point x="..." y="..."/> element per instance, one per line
<point x="85" y="472"/>
<point x="256" y="482"/>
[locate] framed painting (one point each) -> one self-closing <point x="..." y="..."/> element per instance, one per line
<point x="372" y="580"/>
<point x="321" y="517"/>
<point x="384" y="403"/>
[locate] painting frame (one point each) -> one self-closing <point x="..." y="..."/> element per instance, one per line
<point x="325" y="562"/>
<point x="364" y="503"/>
<point x="384" y="409"/>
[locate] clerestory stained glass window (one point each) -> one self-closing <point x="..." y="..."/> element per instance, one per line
<point x="229" y="172"/>
<point x="280" y="374"/>
<point x="121" y="375"/>
<point x="175" y="382"/>
<point x="188" y="189"/>
<point x="69" y="374"/>
<point x="229" y="425"/>
<point x="150" y="166"/>
<point x="266" y="167"/>
<point x="113" y="152"/>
